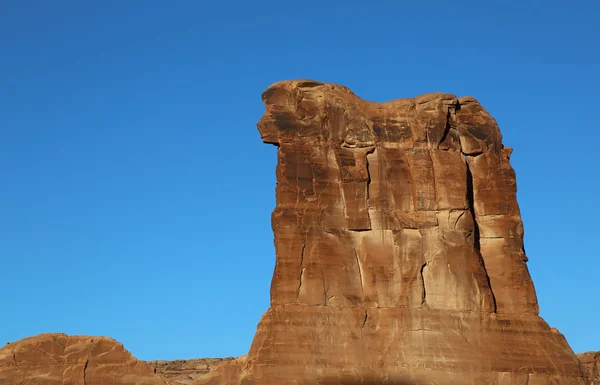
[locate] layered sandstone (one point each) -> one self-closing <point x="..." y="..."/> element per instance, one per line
<point x="58" y="359"/>
<point x="591" y="362"/>
<point x="399" y="249"/>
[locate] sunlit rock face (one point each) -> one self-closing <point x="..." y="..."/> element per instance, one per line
<point x="58" y="359"/>
<point x="399" y="249"/>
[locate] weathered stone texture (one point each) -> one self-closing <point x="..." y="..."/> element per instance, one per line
<point x="58" y="359"/>
<point x="399" y="248"/>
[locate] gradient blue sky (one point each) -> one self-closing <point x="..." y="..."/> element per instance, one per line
<point x="136" y="193"/>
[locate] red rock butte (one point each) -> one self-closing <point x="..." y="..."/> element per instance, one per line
<point x="399" y="249"/>
<point x="399" y="259"/>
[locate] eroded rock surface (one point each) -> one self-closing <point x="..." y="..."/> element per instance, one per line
<point x="591" y="362"/>
<point x="399" y="248"/>
<point x="58" y="359"/>
<point x="185" y="371"/>
<point x="399" y="260"/>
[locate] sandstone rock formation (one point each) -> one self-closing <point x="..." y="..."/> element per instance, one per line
<point x="399" y="260"/>
<point x="591" y="362"/>
<point x="399" y="249"/>
<point x="58" y="359"/>
<point x="185" y="371"/>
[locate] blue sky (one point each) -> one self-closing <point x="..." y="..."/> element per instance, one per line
<point x="136" y="192"/>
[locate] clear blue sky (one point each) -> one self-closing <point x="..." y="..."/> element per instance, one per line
<point x="136" y="193"/>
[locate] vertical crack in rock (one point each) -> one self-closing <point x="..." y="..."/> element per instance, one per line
<point x="325" y="295"/>
<point x="448" y="126"/>
<point x="360" y="275"/>
<point x="300" y="284"/>
<point x="301" y="270"/>
<point x="368" y="203"/>
<point x="365" y="319"/>
<point x="297" y="185"/>
<point x="424" y="294"/>
<point x="368" y="176"/>
<point x="85" y="371"/>
<point x="435" y="181"/>
<point x="471" y="203"/>
<point x="342" y="195"/>
<point x="476" y="234"/>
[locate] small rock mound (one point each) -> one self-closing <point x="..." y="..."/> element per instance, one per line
<point x="57" y="359"/>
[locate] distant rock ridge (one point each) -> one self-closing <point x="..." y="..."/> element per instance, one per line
<point x="185" y="371"/>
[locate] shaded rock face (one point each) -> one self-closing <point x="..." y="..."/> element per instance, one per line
<point x="591" y="362"/>
<point x="185" y="371"/>
<point x="399" y="249"/>
<point x="58" y="359"/>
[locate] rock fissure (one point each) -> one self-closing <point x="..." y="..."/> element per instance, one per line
<point x="360" y="275"/>
<point x="367" y="203"/>
<point x="364" y="321"/>
<point x="85" y="366"/>
<point x="476" y="235"/>
<point x="448" y="127"/>
<point x="471" y="204"/>
<point x="301" y="270"/>
<point x="324" y="283"/>
<point x="424" y="289"/>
